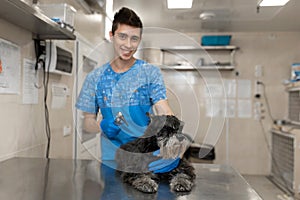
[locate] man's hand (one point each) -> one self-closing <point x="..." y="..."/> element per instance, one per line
<point x="109" y="128"/>
<point x="163" y="165"/>
<point x="90" y="123"/>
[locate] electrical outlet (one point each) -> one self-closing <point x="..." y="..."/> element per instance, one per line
<point x="67" y="130"/>
<point x="258" y="111"/>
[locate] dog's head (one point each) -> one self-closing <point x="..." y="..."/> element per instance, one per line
<point x="164" y="127"/>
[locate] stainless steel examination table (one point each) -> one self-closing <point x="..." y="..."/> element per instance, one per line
<point x="60" y="179"/>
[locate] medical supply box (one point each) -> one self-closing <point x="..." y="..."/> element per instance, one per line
<point x="215" y="40"/>
<point x="63" y="13"/>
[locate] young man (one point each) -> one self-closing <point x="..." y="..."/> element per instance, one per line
<point x="124" y="85"/>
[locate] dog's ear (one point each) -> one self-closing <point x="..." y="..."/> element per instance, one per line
<point x="171" y="122"/>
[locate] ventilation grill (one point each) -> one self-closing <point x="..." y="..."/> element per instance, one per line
<point x="282" y="170"/>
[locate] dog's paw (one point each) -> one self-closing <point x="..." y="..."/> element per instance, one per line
<point x="145" y="184"/>
<point x="181" y="183"/>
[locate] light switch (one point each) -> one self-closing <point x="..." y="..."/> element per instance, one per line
<point x="67" y="130"/>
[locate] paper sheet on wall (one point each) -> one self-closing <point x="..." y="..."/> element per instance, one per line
<point x="244" y="89"/>
<point x="59" y="96"/>
<point x="230" y="88"/>
<point x="230" y="106"/>
<point x="214" y="108"/>
<point x="227" y="86"/>
<point x="214" y="90"/>
<point x="30" y="92"/>
<point x="244" y="108"/>
<point x="221" y="108"/>
<point x="9" y="68"/>
<point x="219" y="100"/>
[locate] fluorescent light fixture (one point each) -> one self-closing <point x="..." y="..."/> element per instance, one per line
<point x="272" y="2"/>
<point x="179" y="4"/>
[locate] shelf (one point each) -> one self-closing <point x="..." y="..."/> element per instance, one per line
<point x="23" y="15"/>
<point x="188" y="67"/>
<point x="294" y="89"/>
<point x="292" y="86"/>
<point x="220" y="47"/>
<point x="191" y="48"/>
<point x="187" y="49"/>
<point x="283" y="133"/>
<point x="295" y="123"/>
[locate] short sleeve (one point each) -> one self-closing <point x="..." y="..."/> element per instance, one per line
<point x="157" y="85"/>
<point x="86" y="100"/>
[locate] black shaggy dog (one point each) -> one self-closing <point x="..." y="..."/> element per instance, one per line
<point x="133" y="158"/>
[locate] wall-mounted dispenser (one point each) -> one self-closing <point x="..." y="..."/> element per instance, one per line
<point x="58" y="59"/>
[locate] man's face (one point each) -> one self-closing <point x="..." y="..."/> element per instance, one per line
<point x="126" y="41"/>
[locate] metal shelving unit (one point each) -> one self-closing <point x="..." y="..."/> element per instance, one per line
<point x="231" y="49"/>
<point x="189" y="48"/>
<point x="32" y="19"/>
<point x="294" y="89"/>
<point x="190" y="67"/>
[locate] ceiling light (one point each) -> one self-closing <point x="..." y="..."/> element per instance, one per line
<point x="272" y="2"/>
<point x="179" y="4"/>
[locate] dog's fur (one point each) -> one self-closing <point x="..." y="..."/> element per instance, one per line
<point x="134" y="157"/>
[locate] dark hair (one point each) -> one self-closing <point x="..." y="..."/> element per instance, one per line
<point x="128" y="17"/>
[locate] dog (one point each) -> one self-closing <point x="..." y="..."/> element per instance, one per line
<point x="133" y="158"/>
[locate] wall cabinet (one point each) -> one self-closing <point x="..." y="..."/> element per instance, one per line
<point x="30" y="18"/>
<point x="207" y="57"/>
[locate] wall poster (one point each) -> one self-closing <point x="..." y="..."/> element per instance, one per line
<point x="9" y="68"/>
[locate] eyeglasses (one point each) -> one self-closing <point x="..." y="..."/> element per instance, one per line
<point x="124" y="36"/>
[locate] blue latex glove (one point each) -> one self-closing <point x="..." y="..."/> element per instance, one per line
<point x="109" y="128"/>
<point x="163" y="165"/>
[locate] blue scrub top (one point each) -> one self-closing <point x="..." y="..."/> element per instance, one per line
<point x="132" y="92"/>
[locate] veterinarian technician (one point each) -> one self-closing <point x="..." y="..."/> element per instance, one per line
<point x="127" y="85"/>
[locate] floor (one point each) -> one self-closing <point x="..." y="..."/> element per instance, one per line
<point x="265" y="188"/>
